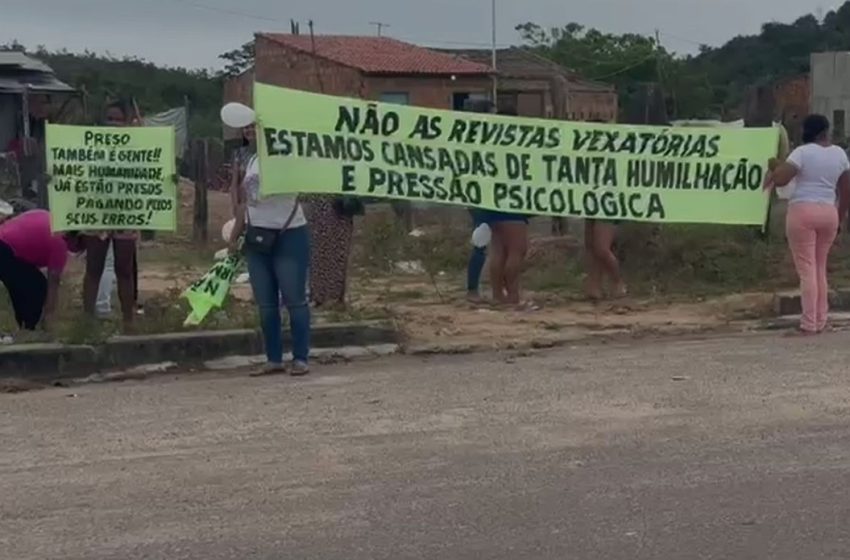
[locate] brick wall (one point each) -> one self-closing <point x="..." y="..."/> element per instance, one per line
<point x="792" y="98"/>
<point x="285" y="67"/>
<point x="592" y="106"/>
<point x="240" y="89"/>
<point x="539" y="98"/>
<point x="435" y="92"/>
<point x="529" y="97"/>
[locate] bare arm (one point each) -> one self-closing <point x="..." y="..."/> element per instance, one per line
<point x="239" y="224"/>
<point x="237" y="197"/>
<point x="235" y="183"/>
<point x="784" y="174"/>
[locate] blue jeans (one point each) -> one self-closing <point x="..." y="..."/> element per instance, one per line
<point x="478" y="256"/>
<point x="283" y="273"/>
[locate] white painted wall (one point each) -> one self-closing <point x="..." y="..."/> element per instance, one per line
<point x="831" y="86"/>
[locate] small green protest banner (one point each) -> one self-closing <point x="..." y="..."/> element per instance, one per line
<point x="105" y="178"/>
<point x="315" y="143"/>
<point x="211" y="290"/>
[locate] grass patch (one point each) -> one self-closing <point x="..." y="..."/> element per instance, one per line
<point x="697" y="260"/>
<point x="403" y="295"/>
<point x="164" y="313"/>
<point x="669" y="261"/>
<point x="559" y="276"/>
<point x="353" y="314"/>
<point x="381" y="243"/>
<point x="177" y="256"/>
<point x="678" y="262"/>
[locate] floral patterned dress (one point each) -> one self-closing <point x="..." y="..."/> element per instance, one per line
<point x="331" y="236"/>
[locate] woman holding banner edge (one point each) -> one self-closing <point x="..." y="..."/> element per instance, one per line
<point x="277" y="248"/>
<point x="599" y="239"/>
<point x="600" y="259"/>
<point x="509" y="244"/>
<point x="822" y="175"/>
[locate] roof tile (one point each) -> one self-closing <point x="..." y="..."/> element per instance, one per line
<point x="380" y="55"/>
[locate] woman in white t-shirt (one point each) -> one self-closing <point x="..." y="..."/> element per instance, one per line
<point x="277" y="248"/>
<point x="817" y="206"/>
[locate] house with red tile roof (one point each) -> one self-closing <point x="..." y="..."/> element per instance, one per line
<point x="376" y="68"/>
<point x="382" y="68"/>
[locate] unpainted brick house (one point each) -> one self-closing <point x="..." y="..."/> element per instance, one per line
<point x="375" y="68"/>
<point x="385" y="69"/>
<point x="793" y="102"/>
<point x="534" y="86"/>
<point x="787" y="100"/>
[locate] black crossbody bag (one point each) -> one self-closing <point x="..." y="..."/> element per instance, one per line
<point x="261" y="240"/>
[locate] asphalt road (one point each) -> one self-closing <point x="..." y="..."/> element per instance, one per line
<point x="729" y="449"/>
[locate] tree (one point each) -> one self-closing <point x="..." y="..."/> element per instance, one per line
<point x="238" y="60"/>
<point x="14" y="46"/>
<point x="104" y="78"/>
<point x="594" y="54"/>
<point x="713" y="83"/>
<point x="630" y="61"/>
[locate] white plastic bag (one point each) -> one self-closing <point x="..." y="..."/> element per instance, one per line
<point x="227" y="230"/>
<point x="785" y="192"/>
<point x="481" y="236"/>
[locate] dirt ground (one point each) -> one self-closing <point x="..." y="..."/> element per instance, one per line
<point x="438" y="315"/>
<point x="452" y="322"/>
<point x="429" y="308"/>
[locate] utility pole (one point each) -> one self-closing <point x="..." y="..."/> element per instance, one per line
<point x="494" y="61"/>
<point x="660" y="74"/>
<point x="319" y="79"/>
<point x="379" y="25"/>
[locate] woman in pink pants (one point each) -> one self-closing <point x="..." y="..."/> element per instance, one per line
<point x="817" y="206"/>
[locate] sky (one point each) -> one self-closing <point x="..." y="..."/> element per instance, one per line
<point x="192" y="33"/>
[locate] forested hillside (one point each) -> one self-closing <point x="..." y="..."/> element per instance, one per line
<point x="154" y="88"/>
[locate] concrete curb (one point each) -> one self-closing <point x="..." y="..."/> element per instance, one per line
<point x="60" y="361"/>
<point x="322" y="356"/>
<point x="604" y="336"/>
<point x="840" y="320"/>
<point x="789" y="303"/>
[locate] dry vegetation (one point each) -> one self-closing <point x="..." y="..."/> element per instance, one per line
<point x="676" y="273"/>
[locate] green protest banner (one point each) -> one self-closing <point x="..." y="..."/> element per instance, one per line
<point x="105" y="178"/>
<point x="315" y="143"/>
<point x="211" y="290"/>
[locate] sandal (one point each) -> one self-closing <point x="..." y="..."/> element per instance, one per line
<point x="621" y="292"/>
<point x="528" y="306"/>
<point x="269" y="369"/>
<point x="799" y="332"/>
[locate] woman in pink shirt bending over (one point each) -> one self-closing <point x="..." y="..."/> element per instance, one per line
<point x="818" y="204"/>
<point x="27" y="245"/>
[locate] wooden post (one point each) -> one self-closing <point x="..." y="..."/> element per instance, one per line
<point x="200" y="170"/>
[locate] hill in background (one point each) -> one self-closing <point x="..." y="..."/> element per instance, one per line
<point x="711" y="84"/>
<point x="102" y="78"/>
